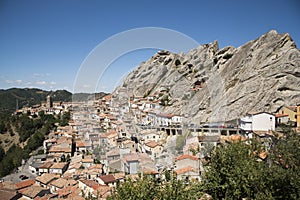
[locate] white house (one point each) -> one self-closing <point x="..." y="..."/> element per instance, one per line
<point x="58" y="168"/>
<point x="130" y="163"/>
<point x="154" y="149"/>
<point x="176" y="120"/>
<point x="164" y="119"/>
<point x="261" y="121"/>
<point x="150" y="134"/>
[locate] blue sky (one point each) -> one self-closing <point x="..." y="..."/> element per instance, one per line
<point x="44" y="43"/>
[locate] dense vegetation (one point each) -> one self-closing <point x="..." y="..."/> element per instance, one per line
<point x="235" y="171"/>
<point x="33" y="131"/>
<point x="28" y="97"/>
<point x="150" y="187"/>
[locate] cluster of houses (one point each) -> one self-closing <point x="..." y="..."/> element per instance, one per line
<point x="48" y="107"/>
<point x="107" y="141"/>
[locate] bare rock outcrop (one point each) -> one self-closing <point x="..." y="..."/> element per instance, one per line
<point x="208" y="84"/>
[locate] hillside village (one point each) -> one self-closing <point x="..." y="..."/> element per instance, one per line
<point x="106" y="142"/>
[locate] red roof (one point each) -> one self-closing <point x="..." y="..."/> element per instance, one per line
<point x="83" y="144"/>
<point x="185" y="169"/>
<point x="108" y="178"/>
<point x="107" y="97"/>
<point x="23" y="184"/>
<point x="46" y="165"/>
<point x="281" y="115"/>
<point x="90" y="183"/>
<point x="186" y="156"/>
<point x="152" y="144"/>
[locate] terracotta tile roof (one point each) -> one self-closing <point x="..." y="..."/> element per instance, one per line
<point x="87" y="160"/>
<point x="152" y="144"/>
<point x="108" y="178"/>
<point x="111" y="117"/>
<point x="58" y="149"/>
<point x="90" y="183"/>
<point x="33" y="191"/>
<point x="110" y="134"/>
<point x="75" y="165"/>
<point x="147" y="170"/>
<point x="128" y="142"/>
<point x="166" y="115"/>
<point x="45" y="197"/>
<point x="107" y="97"/>
<point x="186" y="156"/>
<point x="102" y="191"/>
<point x="67" y="140"/>
<point x="61" y="182"/>
<point x="46" y="165"/>
<point x="119" y="175"/>
<point x="9" y="185"/>
<point x="83" y="144"/>
<point x="7" y="193"/>
<point x="46" y="178"/>
<point x="131" y="157"/>
<point x="24" y="184"/>
<point x="281" y="115"/>
<point x="185" y="169"/>
<point x="60" y="165"/>
<point x="96" y="166"/>
<point x="69" y="191"/>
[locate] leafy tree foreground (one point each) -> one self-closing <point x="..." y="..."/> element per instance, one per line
<point x="235" y="171"/>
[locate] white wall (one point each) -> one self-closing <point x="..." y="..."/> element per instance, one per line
<point x="246" y="123"/>
<point x="133" y="167"/>
<point x="263" y="122"/>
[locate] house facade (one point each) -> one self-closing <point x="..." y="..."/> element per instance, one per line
<point x="261" y="121"/>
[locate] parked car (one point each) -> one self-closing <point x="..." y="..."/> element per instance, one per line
<point x="23" y="177"/>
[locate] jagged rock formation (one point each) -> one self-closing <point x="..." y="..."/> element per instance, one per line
<point x="209" y="84"/>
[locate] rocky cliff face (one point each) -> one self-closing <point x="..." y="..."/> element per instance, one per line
<point x="209" y="84"/>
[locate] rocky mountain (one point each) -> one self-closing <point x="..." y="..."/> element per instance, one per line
<point x="208" y="84"/>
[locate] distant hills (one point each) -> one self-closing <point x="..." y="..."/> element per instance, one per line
<point x="12" y="98"/>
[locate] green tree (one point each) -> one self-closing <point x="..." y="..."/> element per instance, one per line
<point x="11" y="160"/>
<point x="285" y="167"/>
<point x="234" y="173"/>
<point x="150" y="187"/>
<point x="180" y="141"/>
<point x="64" y="119"/>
